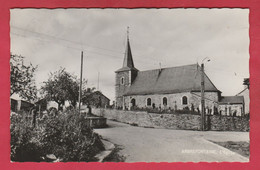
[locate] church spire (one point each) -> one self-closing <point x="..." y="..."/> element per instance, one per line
<point x="128" y="59"/>
<point x="127" y="32"/>
<point x="128" y="64"/>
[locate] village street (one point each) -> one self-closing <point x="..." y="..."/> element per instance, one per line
<point x="165" y="145"/>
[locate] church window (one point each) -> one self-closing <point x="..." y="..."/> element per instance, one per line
<point x="165" y="101"/>
<point x="184" y="100"/>
<point x="149" y="102"/>
<point x="122" y="81"/>
<point x="133" y="102"/>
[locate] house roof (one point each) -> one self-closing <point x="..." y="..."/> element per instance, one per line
<point x="242" y="92"/>
<point x="170" y="80"/>
<point x="232" y="100"/>
<point x="100" y="93"/>
<point x="22" y="101"/>
<point x="43" y="100"/>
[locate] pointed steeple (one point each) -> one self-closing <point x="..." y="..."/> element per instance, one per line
<point x="128" y="59"/>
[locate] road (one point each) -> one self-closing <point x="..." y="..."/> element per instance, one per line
<point x="165" y="145"/>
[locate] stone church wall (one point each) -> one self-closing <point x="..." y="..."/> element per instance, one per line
<point x="157" y="99"/>
<point x="211" y="99"/>
<point x="119" y="88"/>
<point x="173" y="100"/>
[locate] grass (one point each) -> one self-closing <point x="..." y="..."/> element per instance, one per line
<point x="240" y="147"/>
<point x="115" y="156"/>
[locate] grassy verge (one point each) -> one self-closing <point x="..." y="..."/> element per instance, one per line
<point x="115" y="156"/>
<point x="241" y="148"/>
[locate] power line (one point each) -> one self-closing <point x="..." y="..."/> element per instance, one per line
<point x="70" y="41"/>
<point x="75" y="48"/>
<point x="94" y="52"/>
<point x="63" y="39"/>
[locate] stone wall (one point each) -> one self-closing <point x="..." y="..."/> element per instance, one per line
<point x="121" y="88"/>
<point x="157" y="99"/>
<point x="96" y="122"/>
<point x="144" y="119"/>
<point x="227" y="123"/>
<point x="173" y="100"/>
<point x="174" y="121"/>
<point x="211" y="99"/>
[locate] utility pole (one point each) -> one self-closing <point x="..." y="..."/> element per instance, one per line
<point x="98" y="82"/>
<point x="80" y="85"/>
<point x="202" y="98"/>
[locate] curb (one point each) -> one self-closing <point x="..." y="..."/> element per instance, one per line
<point x="109" y="148"/>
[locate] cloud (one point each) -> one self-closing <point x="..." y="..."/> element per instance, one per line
<point x="54" y="38"/>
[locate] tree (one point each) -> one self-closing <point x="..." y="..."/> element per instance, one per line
<point x="22" y="78"/>
<point x="88" y="97"/>
<point x="62" y="86"/>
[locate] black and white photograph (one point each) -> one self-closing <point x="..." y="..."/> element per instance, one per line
<point x="129" y="85"/>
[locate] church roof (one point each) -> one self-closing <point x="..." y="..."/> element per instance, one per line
<point x="170" y="80"/>
<point x="232" y="100"/>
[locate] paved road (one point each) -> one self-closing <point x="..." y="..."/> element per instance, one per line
<point x="166" y="145"/>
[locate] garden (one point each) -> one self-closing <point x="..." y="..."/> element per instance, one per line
<point x="62" y="137"/>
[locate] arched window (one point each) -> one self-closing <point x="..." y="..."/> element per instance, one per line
<point x="122" y="80"/>
<point x="149" y="102"/>
<point x="184" y="100"/>
<point x="165" y="101"/>
<point x="133" y="102"/>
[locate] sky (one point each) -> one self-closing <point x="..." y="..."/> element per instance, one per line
<point x="54" y="38"/>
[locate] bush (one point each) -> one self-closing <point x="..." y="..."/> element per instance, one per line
<point x="66" y="135"/>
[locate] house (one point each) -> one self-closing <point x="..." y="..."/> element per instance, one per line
<point x="231" y="105"/>
<point x="42" y="104"/>
<point x="101" y="99"/>
<point x="20" y="105"/>
<point x="245" y="94"/>
<point x="97" y="99"/>
<point x="165" y="88"/>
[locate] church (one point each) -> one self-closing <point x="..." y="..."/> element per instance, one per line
<point x="173" y="88"/>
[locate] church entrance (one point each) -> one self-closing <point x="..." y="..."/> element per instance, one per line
<point x="133" y="102"/>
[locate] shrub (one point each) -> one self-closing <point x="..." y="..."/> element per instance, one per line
<point x="66" y="135"/>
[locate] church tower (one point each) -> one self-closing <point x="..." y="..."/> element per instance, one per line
<point x="125" y="75"/>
